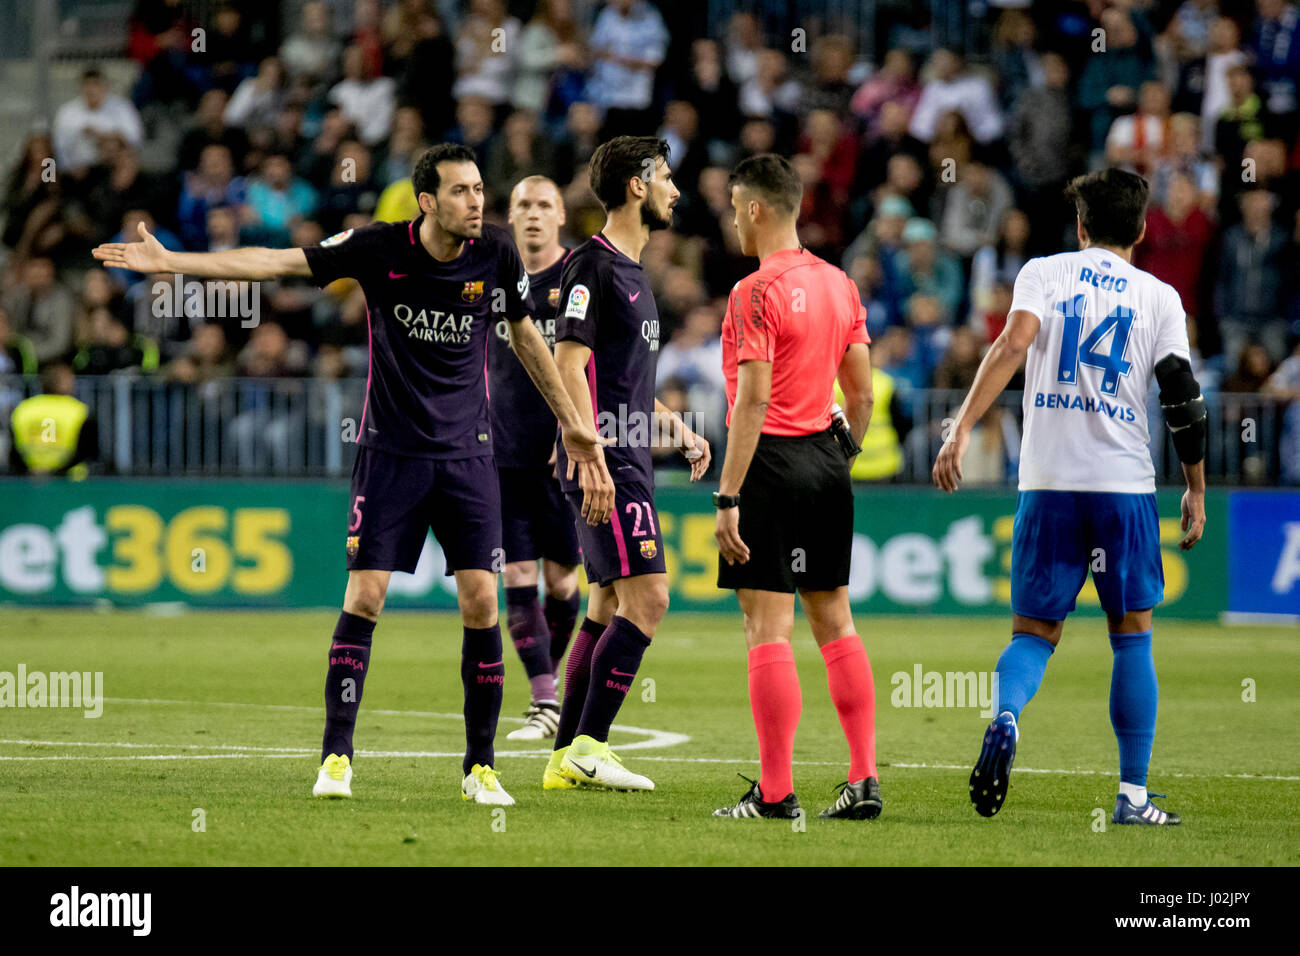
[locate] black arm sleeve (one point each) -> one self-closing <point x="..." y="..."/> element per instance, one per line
<point x="1184" y="408"/>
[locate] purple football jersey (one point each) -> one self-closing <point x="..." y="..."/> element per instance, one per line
<point x="426" y="392"/>
<point x="606" y="304"/>
<point x="523" y="425"/>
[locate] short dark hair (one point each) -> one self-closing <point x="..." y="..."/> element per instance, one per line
<point x="616" y="161"/>
<point x="773" y="178"/>
<point x="1112" y="205"/>
<point x="425" y="178"/>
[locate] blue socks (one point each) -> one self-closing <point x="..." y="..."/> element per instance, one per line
<point x="1133" y="697"/>
<point x="1020" y="671"/>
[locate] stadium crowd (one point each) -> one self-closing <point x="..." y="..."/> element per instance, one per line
<point x="931" y="174"/>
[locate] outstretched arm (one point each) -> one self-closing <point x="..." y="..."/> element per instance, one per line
<point x="253" y="263"/>
<point x="1000" y="363"/>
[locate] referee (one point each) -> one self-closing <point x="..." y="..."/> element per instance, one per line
<point x="785" y="503"/>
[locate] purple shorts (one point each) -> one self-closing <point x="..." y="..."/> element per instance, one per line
<point x="396" y="499"/>
<point x="631" y="543"/>
<point x="535" y="521"/>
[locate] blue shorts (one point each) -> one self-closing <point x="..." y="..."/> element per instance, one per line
<point x="397" y="499"/>
<point x="630" y="543"/>
<point x="1059" y="535"/>
<point x="535" y="519"/>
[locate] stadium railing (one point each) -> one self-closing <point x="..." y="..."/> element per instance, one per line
<point x="308" y="427"/>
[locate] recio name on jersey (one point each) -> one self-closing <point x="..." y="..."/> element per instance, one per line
<point x="1103" y="280"/>
<point x="1054" y="400"/>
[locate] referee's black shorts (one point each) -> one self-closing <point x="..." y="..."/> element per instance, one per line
<point x="796" y="516"/>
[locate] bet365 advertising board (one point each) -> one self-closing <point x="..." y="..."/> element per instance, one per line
<point x="222" y="543"/>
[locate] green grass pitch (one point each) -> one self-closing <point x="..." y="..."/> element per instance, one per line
<point x="221" y="712"/>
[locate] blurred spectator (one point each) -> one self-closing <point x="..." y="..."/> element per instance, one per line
<point x="400" y="31"/>
<point x="367" y="101"/>
<point x="312" y="51"/>
<point x="929" y="272"/>
<point x="628" y="43"/>
<point x="770" y="92"/>
<point x="1184" y="158"/>
<point x="42" y="309"/>
<point x="257" y="100"/>
<point x="473" y="126"/>
<point x="1040" y="136"/>
<point x="1016" y="63"/>
<point x="210" y="129"/>
<point x="689" y="153"/>
<point x="744" y="44"/>
<point x="223" y="228"/>
<point x="973" y="209"/>
<point x="1109" y="85"/>
<point x="710" y="90"/>
<point x="882" y="239"/>
<point x="205" y="360"/>
<point x="113" y="187"/>
<point x="833" y="148"/>
<point x="275" y="200"/>
<point x="1251" y="266"/>
<point x="889" y="139"/>
<point x="693" y="355"/>
<point x="952" y="87"/>
<point x="33" y="200"/>
<point x="53" y="433"/>
<point x="214" y="183"/>
<point x="1274" y="46"/>
<point x="830" y="89"/>
<point x="17" y="354"/>
<point x="998" y="262"/>
<point x="1242" y="121"/>
<point x="1177" y="242"/>
<point x="893" y="84"/>
<point x="1203" y="86"/>
<point x="1138" y="141"/>
<point x="820" y="215"/>
<point x="1253" y="369"/>
<point x="550" y="42"/>
<point x="351" y="189"/>
<point x="960" y="362"/>
<point x="112" y="348"/>
<point x="928" y="319"/>
<point x="951" y="147"/>
<point x="80" y="123"/>
<point x="896" y="353"/>
<point x="427" y="76"/>
<point x="487" y="53"/>
<point x="521" y="150"/>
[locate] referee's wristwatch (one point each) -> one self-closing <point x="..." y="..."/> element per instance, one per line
<point x="722" y="502"/>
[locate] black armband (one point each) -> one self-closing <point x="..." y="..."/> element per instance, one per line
<point x="1184" y="408"/>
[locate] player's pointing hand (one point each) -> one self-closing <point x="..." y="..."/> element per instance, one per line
<point x="148" y="255"/>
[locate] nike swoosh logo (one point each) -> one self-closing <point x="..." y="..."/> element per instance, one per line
<point x="590" y="774"/>
<point x="632" y="296"/>
<point x="486" y="666"/>
<point x="615" y="670"/>
<point x="396" y="275"/>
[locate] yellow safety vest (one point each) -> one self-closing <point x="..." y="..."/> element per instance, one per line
<point x="46" y="429"/>
<point x="882" y="454"/>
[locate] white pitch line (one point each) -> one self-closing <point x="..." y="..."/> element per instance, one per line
<point x="281" y="752"/>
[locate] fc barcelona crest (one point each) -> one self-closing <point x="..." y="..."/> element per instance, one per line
<point x="354" y="543"/>
<point x="553" y="297"/>
<point x="649" y="549"/>
<point x="473" y="291"/>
